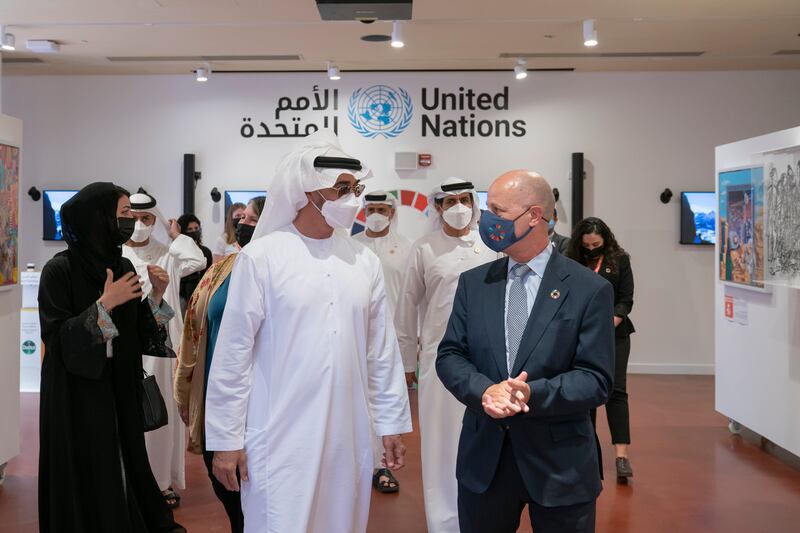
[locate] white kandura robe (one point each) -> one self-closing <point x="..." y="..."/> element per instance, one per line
<point x="393" y="251"/>
<point x="429" y="287"/>
<point x="166" y="446"/>
<point x="306" y="361"/>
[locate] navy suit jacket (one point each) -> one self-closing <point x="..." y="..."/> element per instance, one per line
<point x="567" y="349"/>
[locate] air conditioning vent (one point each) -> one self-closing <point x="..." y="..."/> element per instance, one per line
<point x="201" y="59"/>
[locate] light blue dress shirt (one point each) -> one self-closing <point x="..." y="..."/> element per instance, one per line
<point x="532" y="281"/>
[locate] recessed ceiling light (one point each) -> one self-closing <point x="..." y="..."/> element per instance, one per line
<point x="590" y="33"/>
<point x="397" y="35"/>
<point x="548" y="36"/>
<point x="42" y="46"/>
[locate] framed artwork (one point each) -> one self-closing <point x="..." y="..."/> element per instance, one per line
<point x="741" y="227"/>
<point x="782" y="168"/>
<point x="9" y="215"/>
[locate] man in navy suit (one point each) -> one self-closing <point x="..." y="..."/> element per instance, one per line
<point x="529" y="349"/>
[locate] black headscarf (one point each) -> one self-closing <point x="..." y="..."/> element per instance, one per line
<point x="89" y="222"/>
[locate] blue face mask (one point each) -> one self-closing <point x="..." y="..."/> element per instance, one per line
<point x="498" y="233"/>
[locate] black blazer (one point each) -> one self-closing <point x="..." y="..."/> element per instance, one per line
<point x="620" y="275"/>
<point x="568" y="351"/>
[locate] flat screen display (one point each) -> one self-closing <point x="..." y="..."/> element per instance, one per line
<point x="52" y="201"/>
<point x="698" y="218"/>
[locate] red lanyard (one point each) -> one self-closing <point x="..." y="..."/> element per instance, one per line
<point x="599" y="262"/>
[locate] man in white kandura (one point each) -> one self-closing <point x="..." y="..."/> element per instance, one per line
<point x="307" y="358"/>
<point x="451" y="247"/>
<point x="383" y="238"/>
<point x="147" y="246"/>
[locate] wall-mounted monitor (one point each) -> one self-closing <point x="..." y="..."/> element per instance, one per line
<point x="698" y="218"/>
<point x="483" y="197"/>
<point x="240" y="197"/>
<point x="52" y="200"/>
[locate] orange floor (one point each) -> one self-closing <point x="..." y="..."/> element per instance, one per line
<point x="691" y="475"/>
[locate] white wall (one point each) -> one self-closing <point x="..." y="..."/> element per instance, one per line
<point x="641" y="132"/>
<point x="758" y="364"/>
<point x="10" y="303"/>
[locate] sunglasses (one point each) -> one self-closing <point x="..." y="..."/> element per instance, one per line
<point x="344" y="189"/>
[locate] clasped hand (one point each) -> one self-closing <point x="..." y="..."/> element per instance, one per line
<point x="508" y="397"/>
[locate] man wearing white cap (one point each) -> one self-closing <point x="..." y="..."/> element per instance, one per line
<point x="147" y="246"/>
<point x="382" y="237"/>
<point x="307" y="361"/>
<point x="451" y="247"/>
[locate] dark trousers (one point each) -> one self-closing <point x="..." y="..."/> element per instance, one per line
<point x="619" y="420"/>
<point x="498" y="510"/>
<point x="231" y="500"/>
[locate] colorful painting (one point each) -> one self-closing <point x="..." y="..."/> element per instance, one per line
<point x="741" y="227"/>
<point x="9" y="214"/>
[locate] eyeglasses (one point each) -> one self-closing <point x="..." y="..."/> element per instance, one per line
<point x="344" y="189"/>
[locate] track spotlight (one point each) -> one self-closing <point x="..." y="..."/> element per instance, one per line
<point x="521" y="71"/>
<point x="590" y="32"/>
<point x="333" y="72"/>
<point x="397" y="35"/>
<point x="8" y="40"/>
<point x="202" y="74"/>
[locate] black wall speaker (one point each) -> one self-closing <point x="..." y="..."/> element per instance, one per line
<point x="577" y="187"/>
<point x="188" y="183"/>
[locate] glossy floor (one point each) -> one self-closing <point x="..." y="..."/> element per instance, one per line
<point x="691" y="475"/>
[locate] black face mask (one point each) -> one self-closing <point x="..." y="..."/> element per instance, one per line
<point x="593" y="254"/>
<point x="196" y="235"/>
<point x="244" y="233"/>
<point x="125" y="229"/>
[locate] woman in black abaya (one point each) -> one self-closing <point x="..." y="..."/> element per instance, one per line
<point x="94" y="475"/>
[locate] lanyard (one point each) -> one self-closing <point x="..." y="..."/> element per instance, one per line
<point x="599" y="263"/>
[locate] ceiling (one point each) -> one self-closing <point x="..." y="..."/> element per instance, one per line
<point x="174" y="36"/>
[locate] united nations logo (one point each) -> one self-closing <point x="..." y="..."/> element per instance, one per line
<point x="380" y="110"/>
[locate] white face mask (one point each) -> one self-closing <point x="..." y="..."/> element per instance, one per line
<point x="377" y="222"/>
<point x="141" y="232"/>
<point x="459" y="216"/>
<point x="340" y="213"/>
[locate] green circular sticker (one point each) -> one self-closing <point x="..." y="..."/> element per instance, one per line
<point x="28" y="347"/>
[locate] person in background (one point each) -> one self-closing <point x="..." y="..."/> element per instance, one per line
<point x="190" y="226"/>
<point x="594" y="246"/>
<point x="203" y="318"/>
<point x="226" y="243"/>
<point x="383" y="238"/>
<point x="560" y="242"/>
<point x="94" y="474"/>
<point x="181" y="257"/>
<point x="451" y="247"/>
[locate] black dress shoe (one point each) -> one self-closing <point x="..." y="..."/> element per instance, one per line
<point x="624" y="469"/>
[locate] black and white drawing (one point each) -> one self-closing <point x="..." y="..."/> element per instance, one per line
<point x="783" y="215"/>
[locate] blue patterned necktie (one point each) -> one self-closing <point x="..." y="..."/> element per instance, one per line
<point x="517" y="312"/>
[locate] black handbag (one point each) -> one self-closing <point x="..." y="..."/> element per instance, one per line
<point x="154" y="410"/>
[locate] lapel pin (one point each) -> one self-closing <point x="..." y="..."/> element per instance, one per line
<point x="608" y="270"/>
<point x="555" y="295"/>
